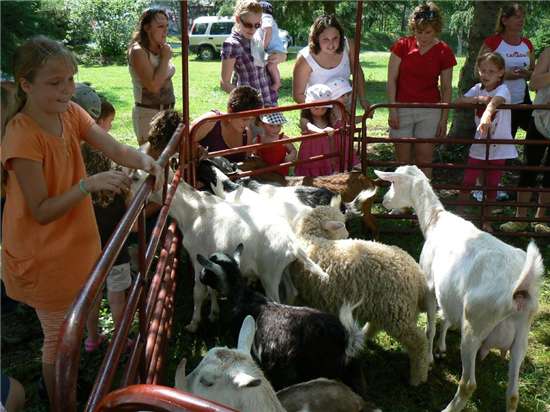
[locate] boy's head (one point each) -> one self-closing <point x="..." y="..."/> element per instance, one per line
<point x="163" y="126"/>
<point x="105" y="119"/>
<point x="87" y="98"/>
<point x="272" y="122"/>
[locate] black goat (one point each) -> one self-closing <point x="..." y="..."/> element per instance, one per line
<point x="292" y="344"/>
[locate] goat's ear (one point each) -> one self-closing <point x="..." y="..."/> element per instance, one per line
<point x="202" y="260"/>
<point x="336" y="201"/>
<point x="246" y="335"/>
<point x="244" y="380"/>
<point x="332" y="225"/>
<point x="237" y="253"/>
<point x="388" y="176"/>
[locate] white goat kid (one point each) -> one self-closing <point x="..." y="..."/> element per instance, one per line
<point x="210" y="224"/>
<point x="231" y="377"/>
<point x="487" y="288"/>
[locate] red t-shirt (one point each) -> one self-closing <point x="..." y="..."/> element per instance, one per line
<point x="274" y="155"/>
<point x="419" y="73"/>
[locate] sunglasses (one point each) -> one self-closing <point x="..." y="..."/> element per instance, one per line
<point x="250" y="25"/>
<point x="425" y="15"/>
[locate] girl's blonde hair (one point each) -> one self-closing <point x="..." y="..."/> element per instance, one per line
<point x="247" y="6"/>
<point x="508" y="11"/>
<point x="31" y="57"/>
<point x="424" y="15"/>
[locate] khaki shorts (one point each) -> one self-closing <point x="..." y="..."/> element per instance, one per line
<point x="119" y="278"/>
<point x="141" y="118"/>
<point x="420" y="123"/>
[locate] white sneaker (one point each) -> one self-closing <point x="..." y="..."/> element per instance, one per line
<point x="477" y="195"/>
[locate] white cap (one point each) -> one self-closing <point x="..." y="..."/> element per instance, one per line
<point x="318" y="92"/>
<point x="339" y="87"/>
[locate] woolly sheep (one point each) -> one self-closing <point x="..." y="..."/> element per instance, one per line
<point x="487" y="288"/>
<point x="391" y="283"/>
<point x="289" y="340"/>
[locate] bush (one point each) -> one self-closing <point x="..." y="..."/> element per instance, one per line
<point x="100" y="30"/>
<point x="23" y="19"/>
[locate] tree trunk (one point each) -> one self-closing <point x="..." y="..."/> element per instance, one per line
<point x="483" y="25"/>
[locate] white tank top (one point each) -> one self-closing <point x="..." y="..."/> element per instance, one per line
<point x="321" y="75"/>
<point x="142" y="95"/>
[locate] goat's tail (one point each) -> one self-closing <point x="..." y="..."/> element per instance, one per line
<point x="309" y="264"/>
<point x="355" y="207"/>
<point x="356" y="336"/>
<point x="528" y="285"/>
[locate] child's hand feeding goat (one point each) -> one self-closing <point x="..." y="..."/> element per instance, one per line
<point x="480" y="282"/>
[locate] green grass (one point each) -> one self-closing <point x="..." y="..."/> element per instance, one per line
<point x="205" y="93"/>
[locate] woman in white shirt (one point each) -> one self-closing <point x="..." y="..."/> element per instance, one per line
<point x="328" y="56"/>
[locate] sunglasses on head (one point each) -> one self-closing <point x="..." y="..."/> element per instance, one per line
<point x="425" y="15"/>
<point x="250" y="25"/>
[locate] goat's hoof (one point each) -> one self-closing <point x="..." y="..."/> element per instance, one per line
<point x="213" y="317"/>
<point x="440" y="355"/>
<point x="192" y="327"/>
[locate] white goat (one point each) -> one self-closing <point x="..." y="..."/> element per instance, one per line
<point x="480" y="282"/>
<point x="210" y="224"/>
<point x="231" y="377"/>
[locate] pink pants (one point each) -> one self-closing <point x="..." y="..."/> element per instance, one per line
<point x="493" y="176"/>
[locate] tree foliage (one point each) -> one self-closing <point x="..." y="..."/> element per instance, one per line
<point x="100" y="30"/>
<point x="24" y="19"/>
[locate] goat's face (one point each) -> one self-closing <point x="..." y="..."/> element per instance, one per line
<point x="222" y="375"/>
<point x="221" y="271"/>
<point x="400" y="193"/>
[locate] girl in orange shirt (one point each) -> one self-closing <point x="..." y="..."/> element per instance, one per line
<point x="50" y="238"/>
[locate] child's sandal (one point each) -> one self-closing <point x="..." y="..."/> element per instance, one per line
<point x="92" y="345"/>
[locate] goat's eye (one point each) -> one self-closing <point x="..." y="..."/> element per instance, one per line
<point x="205" y="382"/>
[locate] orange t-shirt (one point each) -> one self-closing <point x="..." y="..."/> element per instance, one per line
<point x="45" y="266"/>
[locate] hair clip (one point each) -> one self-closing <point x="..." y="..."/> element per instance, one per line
<point x="425" y="15"/>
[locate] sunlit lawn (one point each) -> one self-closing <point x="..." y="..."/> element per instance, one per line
<point x="205" y="93"/>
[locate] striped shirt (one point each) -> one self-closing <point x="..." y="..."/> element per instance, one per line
<point x="237" y="47"/>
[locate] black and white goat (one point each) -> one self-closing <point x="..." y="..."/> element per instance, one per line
<point x="292" y="344"/>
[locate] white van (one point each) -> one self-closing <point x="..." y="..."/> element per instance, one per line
<point x="209" y="32"/>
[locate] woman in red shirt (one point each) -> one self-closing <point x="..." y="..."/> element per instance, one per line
<point x="416" y="65"/>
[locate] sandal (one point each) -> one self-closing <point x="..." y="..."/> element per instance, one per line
<point x="92" y="345"/>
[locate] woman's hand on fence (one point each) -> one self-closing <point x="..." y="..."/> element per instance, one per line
<point x="393" y="119"/>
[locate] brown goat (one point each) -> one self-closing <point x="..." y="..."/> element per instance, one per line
<point x="349" y="185"/>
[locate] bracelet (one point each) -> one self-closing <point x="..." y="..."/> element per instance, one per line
<point x="83" y="188"/>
